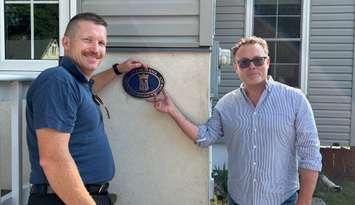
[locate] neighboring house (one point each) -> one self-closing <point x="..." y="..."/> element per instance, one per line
<point x="51" y="51"/>
<point x="312" y="47"/>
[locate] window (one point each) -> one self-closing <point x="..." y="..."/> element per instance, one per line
<point x="30" y="33"/>
<point x="31" y="30"/>
<point x="279" y="22"/>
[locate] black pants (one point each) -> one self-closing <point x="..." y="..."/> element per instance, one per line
<point x="53" y="199"/>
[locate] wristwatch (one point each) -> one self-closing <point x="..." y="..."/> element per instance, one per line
<point x="116" y="69"/>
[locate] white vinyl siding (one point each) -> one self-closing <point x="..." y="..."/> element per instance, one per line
<point x="331" y="64"/>
<point x="158" y="23"/>
<point x="230" y="17"/>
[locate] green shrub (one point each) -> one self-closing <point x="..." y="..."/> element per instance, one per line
<point x="220" y="176"/>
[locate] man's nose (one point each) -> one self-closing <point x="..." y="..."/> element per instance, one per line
<point x="252" y="66"/>
<point x="95" y="47"/>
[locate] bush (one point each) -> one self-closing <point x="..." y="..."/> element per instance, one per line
<point x="220" y="176"/>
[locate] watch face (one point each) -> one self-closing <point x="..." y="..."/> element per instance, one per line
<point x="143" y="82"/>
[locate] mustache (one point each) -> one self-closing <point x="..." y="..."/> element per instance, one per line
<point x="97" y="55"/>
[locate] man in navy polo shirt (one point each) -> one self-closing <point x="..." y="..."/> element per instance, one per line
<point x="71" y="159"/>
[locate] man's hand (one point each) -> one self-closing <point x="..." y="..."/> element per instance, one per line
<point x="105" y="77"/>
<point x="162" y="102"/>
<point x="130" y="64"/>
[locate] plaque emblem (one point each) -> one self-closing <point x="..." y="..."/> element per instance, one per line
<point x="143" y="82"/>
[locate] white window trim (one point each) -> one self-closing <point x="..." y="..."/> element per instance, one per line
<point x="67" y="9"/>
<point x="305" y="22"/>
<point x="249" y="14"/>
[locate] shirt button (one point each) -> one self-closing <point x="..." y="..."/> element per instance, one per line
<point x="254" y="163"/>
<point x="254" y="129"/>
<point x="254" y="180"/>
<point x="254" y="146"/>
<point x="254" y="113"/>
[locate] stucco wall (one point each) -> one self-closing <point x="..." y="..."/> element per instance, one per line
<point x="155" y="163"/>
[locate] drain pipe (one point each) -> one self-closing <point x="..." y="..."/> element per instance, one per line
<point x="329" y="184"/>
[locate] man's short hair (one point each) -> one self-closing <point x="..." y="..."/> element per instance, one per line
<point x="92" y="17"/>
<point x="251" y="40"/>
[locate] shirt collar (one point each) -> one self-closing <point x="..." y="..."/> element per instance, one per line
<point x="269" y="83"/>
<point x="72" y="68"/>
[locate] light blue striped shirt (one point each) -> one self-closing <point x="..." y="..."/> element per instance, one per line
<point x="266" y="143"/>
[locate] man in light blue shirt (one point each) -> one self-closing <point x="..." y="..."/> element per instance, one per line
<point x="269" y="131"/>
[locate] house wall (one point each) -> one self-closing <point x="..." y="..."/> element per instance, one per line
<point x="230" y="17"/>
<point x="230" y="27"/>
<point x="156" y="163"/>
<point x="158" y="23"/>
<point x="331" y="67"/>
<point x="331" y="62"/>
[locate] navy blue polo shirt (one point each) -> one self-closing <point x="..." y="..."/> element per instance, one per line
<point x="61" y="98"/>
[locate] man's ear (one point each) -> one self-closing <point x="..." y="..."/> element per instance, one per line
<point x="65" y="42"/>
<point x="235" y="68"/>
<point x="268" y="63"/>
<point x="268" y="60"/>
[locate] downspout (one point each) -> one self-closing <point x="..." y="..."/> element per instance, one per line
<point x="352" y="128"/>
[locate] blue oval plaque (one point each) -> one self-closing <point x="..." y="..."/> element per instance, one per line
<point x="143" y="82"/>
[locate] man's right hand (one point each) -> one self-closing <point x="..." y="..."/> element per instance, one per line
<point x="162" y="102"/>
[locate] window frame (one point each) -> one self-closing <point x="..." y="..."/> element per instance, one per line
<point x="305" y="22"/>
<point x="67" y="9"/>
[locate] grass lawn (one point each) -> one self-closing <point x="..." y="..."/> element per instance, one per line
<point x="345" y="197"/>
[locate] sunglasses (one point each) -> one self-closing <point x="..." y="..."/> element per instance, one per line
<point x="257" y="61"/>
<point x="99" y="102"/>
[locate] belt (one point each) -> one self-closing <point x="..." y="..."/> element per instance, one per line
<point x="93" y="189"/>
